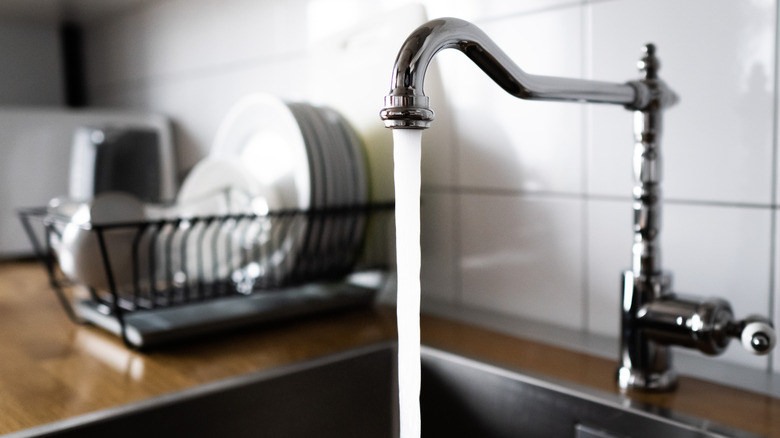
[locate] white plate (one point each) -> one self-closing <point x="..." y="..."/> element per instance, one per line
<point x="262" y="132"/>
<point x="216" y="187"/>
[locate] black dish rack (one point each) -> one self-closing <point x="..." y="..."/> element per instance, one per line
<point x="159" y="281"/>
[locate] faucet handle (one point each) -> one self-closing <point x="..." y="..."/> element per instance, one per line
<point x="756" y="334"/>
<point x="706" y="324"/>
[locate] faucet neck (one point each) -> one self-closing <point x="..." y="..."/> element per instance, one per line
<point x="647" y="167"/>
<point x="406" y="106"/>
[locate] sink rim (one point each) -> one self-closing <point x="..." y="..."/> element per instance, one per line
<point x="200" y="390"/>
<point x="558" y="385"/>
<point x="616" y="401"/>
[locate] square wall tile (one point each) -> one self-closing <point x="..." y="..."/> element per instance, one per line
<point x="609" y="240"/>
<point x="438" y="240"/>
<point x="350" y="70"/>
<point x="522" y="256"/>
<point x="710" y="251"/>
<point x="776" y="293"/>
<point x="508" y="143"/>
<point x="724" y="252"/>
<point x="490" y="9"/>
<point x="179" y="37"/>
<point x="718" y="55"/>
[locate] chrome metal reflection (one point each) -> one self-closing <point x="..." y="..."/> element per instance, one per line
<point x="652" y="316"/>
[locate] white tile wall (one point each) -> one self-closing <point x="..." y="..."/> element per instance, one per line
<point x="510" y="144"/>
<point x="491" y="9"/>
<point x="348" y="71"/>
<point x="735" y="265"/>
<point x="526" y="206"/>
<point x="522" y="256"/>
<point x="176" y="39"/>
<point x="438" y="234"/>
<point x="609" y="239"/>
<point x="775" y="292"/>
<point x="719" y="56"/>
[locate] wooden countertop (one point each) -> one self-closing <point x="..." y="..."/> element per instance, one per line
<point x="52" y="369"/>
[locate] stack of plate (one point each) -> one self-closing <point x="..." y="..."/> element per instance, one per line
<point x="339" y="180"/>
<point x="280" y="156"/>
<point x="279" y="201"/>
<point x="308" y="155"/>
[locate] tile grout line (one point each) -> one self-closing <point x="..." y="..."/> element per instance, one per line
<point x="773" y="189"/>
<point x="157" y="80"/>
<point x="520" y="193"/>
<point x="457" y="225"/>
<point x="540" y="10"/>
<point x="586" y="45"/>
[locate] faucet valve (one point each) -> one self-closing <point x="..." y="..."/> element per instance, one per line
<point x="704" y="324"/>
<point x="756" y="334"/>
<point x="654" y="319"/>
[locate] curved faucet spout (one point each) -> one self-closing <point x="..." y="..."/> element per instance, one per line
<point x="407" y="106"/>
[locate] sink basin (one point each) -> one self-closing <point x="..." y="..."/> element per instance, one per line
<point x="353" y="394"/>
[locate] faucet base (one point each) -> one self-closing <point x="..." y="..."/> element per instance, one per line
<point x="645" y="362"/>
<point x="633" y="379"/>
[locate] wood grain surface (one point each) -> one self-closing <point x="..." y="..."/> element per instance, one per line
<point x="52" y="369"/>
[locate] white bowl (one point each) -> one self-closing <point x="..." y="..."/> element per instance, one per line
<point x="222" y="186"/>
<point x="79" y="253"/>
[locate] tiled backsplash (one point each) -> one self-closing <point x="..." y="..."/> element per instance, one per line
<point x="526" y="205"/>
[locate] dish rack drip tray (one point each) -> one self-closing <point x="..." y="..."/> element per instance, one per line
<point x="157" y="282"/>
<point x="143" y="329"/>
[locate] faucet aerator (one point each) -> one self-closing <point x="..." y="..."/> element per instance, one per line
<point x="407" y="111"/>
<point x="407" y="118"/>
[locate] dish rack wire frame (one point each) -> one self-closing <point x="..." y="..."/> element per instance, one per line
<point x="317" y="261"/>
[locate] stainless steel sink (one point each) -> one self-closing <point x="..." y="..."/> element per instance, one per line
<point x="353" y="394"/>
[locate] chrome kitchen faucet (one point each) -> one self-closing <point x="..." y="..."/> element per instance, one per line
<point x="653" y="318"/>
